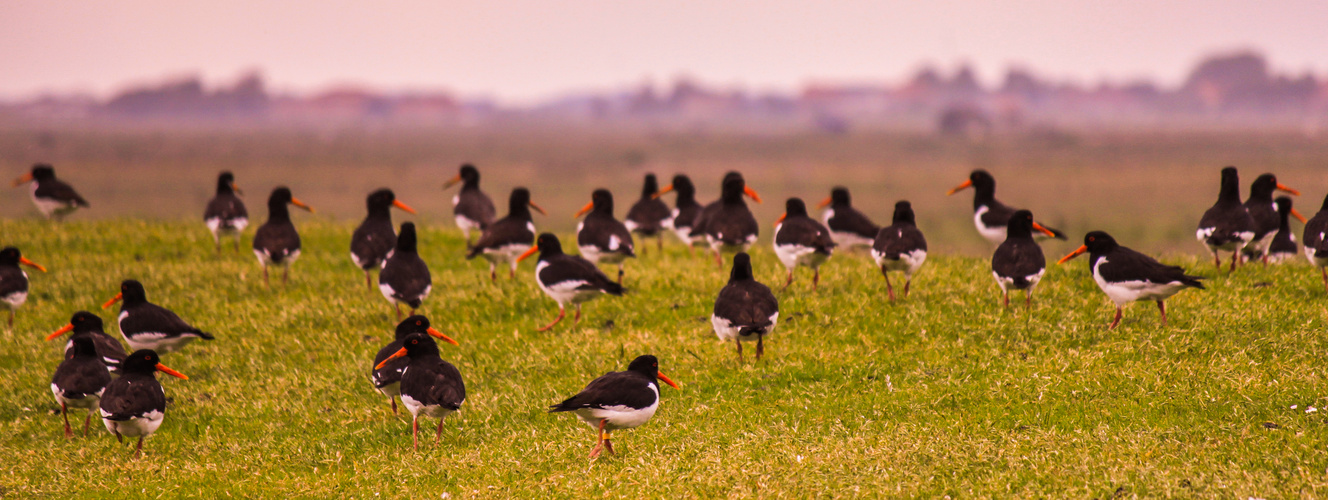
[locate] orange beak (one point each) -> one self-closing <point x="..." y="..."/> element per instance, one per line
<point x="667" y="381"/>
<point x="399" y="204"/>
<point x="528" y="253"/>
<point x="961" y="187"/>
<point x="661" y="192"/>
<point x="1299" y="217"/>
<point x="1283" y="187"/>
<point x="589" y="206"/>
<point x="165" y="369"/>
<point x="440" y="335"/>
<point x="537" y="208"/>
<point x="236" y="189"/>
<point x="780" y="220"/>
<point x="63" y="330"/>
<point x="452" y="182"/>
<point x="296" y="201"/>
<point x="824" y="203"/>
<point x="1075" y="253"/>
<point x="23" y="179"/>
<point x="34" y="265"/>
<point x="116" y="298"/>
<point x="1038" y="227"/>
<point x="399" y="354"/>
<point x="751" y="193"/>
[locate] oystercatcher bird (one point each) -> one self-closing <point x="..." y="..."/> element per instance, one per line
<point x="991" y="216"/>
<point x="617" y="400"/>
<point x="685" y="211"/>
<point x="13" y="281"/>
<point x="79" y="381"/>
<point x="1127" y="276"/>
<point x="134" y="404"/>
<point x="1263" y="211"/>
<point x="508" y="237"/>
<point x="145" y="325"/>
<point x="277" y="242"/>
<point x="405" y="277"/>
<point x="648" y="215"/>
<point x="86" y="324"/>
<point x="1316" y="241"/>
<point x="1018" y="262"/>
<point x="849" y="227"/>
<point x="728" y="225"/>
<point x="567" y="279"/>
<point x="1227" y="226"/>
<point x="900" y="247"/>
<point x="745" y="310"/>
<point x="429" y="385"/>
<point x="53" y="198"/>
<point x="1283" y="245"/>
<point x="375" y="237"/>
<point x="801" y="241"/>
<point x="600" y="237"/>
<point x="226" y="214"/>
<point x="386" y="374"/>
<point x="473" y="209"/>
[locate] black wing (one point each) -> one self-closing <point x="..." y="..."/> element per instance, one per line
<point x="574" y="268"/>
<point x="507" y="231"/>
<point x="391" y="372"/>
<point x="277" y="239"/>
<point x="649" y="215"/>
<point x="434" y="383"/>
<point x="1017" y="259"/>
<point x="1226" y="221"/>
<point x="408" y="276"/>
<point x="611" y="389"/>
<point x="746" y="304"/>
<point x="598" y="231"/>
<point x="732" y="225"/>
<point x="1124" y="264"/>
<point x="803" y="231"/>
<point x="56" y="190"/>
<point x="703" y="218"/>
<point x="129" y="397"/>
<point x="899" y="239"/>
<point x="79" y="376"/>
<point x="12" y="280"/>
<point x="686" y="216"/>
<point x="1264" y="216"/>
<point x="153" y="318"/>
<point x="372" y="241"/>
<point x="850" y="220"/>
<point x="476" y="206"/>
<point x="225" y="207"/>
<point x="1316" y="234"/>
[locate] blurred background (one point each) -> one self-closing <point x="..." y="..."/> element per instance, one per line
<point x="1113" y="116"/>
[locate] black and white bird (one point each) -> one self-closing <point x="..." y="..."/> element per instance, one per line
<point x="648" y="215"/>
<point x="473" y="209"/>
<point x="225" y="214"/>
<point x="745" y="309"/>
<point x="79" y="381"/>
<point x="1283" y="246"/>
<point x="53" y="198"/>
<point x="1316" y="240"/>
<point x="686" y="210"/>
<point x="567" y="279"/>
<point x="86" y="324"/>
<point x="900" y="247"/>
<point x="600" y="237"/>
<point x="989" y="215"/>
<point x="145" y="325"/>
<point x="277" y="242"/>
<point x="1263" y="211"/>
<point x="617" y="400"/>
<point x="429" y="386"/>
<point x="376" y="237"/>
<point x="1127" y="276"/>
<point x="135" y="404"/>
<point x="405" y="277"/>
<point x="13" y="281"/>
<point x="849" y="227"/>
<point x="1227" y="226"/>
<point x="727" y="224"/>
<point x="509" y="236"/>
<point x="1018" y="263"/>
<point x="386" y="374"/>
<point x="801" y="241"/>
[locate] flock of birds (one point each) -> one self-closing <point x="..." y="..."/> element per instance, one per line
<point x="98" y="374"/>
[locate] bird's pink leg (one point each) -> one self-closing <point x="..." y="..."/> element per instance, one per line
<point x="1162" y="308"/>
<point x="64" y="411"/>
<point x="415" y="432"/>
<point x="1116" y="321"/>
<point x="890" y="291"/>
<point x="562" y="312"/>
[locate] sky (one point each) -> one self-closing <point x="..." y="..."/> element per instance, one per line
<point x="524" y="51"/>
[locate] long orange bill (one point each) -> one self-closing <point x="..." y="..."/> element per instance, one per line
<point x="528" y="253"/>
<point x="1299" y="217"/>
<point x="34" y="265"/>
<point x="1075" y="253"/>
<point x="167" y="370"/>
<point x="589" y="206"/>
<point x="824" y="203"/>
<point x="661" y="192"/>
<point x="1283" y="187"/>
<point x="751" y="193"/>
<point x="236" y="189"/>
<point x="63" y="330"/>
<point x="23" y="179"/>
<point x="296" y="201"/>
<point x="438" y="334"/>
<point x="961" y="187"/>
<point x="452" y="182"/>
<point x="401" y="353"/>
<point x="780" y="220"/>
<point x="1039" y="227"/>
<point x="403" y="206"/>
<point x="116" y="298"/>
<point x="537" y="208"/>
<point x="667" y="381"/>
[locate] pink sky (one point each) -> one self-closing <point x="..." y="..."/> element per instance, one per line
<point x="525" y="50"/>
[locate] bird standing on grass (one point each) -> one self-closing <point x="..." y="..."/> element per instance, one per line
<point x="900" y="247"/>
<point x="1227" y="226"/>
<point x="1127" y="276"/>
<point x="567" y="279"/>
<point x="405" y="277"/>
<point x="617" y="400"/>
<point x="1316" y="241"/>
<point x="135" y="404"/>
<point x="1018" y="263"/>
<point x="225" y="214"/>
<point x="600" y="237"/>
<point x="728" y="225"/>
<point x="386" y="375"/>
<point x="429" y="386"/>
<point x="79" y="381"/>
<point x="508" y="237"/>
<point x="86" y="324"/>
<point x="375" y="238"/>
<point x="685" y="212"/>
<point x="745" y="309"/>
<point x="1263" y="211"/>
<point x="147" y="326"/>
<point x="801" y="241"/>
<point x="647" y="217"/>
<point x="13" y="281"/>
<point x="277" y="242"/>
<point x="849" y="227"/>
<point x="1283" y="246"/>
<point x="989" y="215"/>
<point x="472" y="208"/>
<point x="53" y="198"/>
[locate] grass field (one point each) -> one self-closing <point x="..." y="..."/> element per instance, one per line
<point x="940" y="394"/>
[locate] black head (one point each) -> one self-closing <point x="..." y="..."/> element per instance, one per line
<point x="982" y="179"/>
<point x="794" y="207"/>
<point x="83" y="347"/>
<point x="839" y="197"/>
<point x="1230" y="189"/>
<point x="9" y="257"/>
<point x="280" y="196"/>
<point x="742" y="268"/>
<point x="683" y="185"/>
<point x="646" y="365"/>
<point x="419" y="345"/>
<point x="1324" y="207"/>
<point x="602" y="200"/>
<point x="1263" y="186"/>
<point x="43" y="171"/>
<point x="470" y="174"/>
<point x="1099" y="242"/>
<point x="84" y="321"/>
<point x="650" y="187"/>
<point x="225" y="182"/>
<point x="406" y="241"/>
<point x="414" y="324"/>
<point x="548" y="244"/>
<point x="732" y="188"/>
<point x="380" y="201"/>
<point x="1283" y="206"/>
<point x="1020" y="225"/>
<point x="131" y="292"/>
<point x="519" y="201"/>
<point x="903" y="213"/>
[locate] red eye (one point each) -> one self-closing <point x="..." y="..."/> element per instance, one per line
<point x="418" y="323"/>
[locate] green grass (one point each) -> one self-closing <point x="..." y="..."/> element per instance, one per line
<point x="940" y="394"/>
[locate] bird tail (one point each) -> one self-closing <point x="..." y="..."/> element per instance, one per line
<point x="202" y="334"/>
<point x="1192" y="281"/>
<point x="753" y="329"/>
<point x="612" y="288"/>
<point x="472" y="251"/>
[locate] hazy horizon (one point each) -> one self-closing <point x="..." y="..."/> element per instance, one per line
<point x="522" y="51"/>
